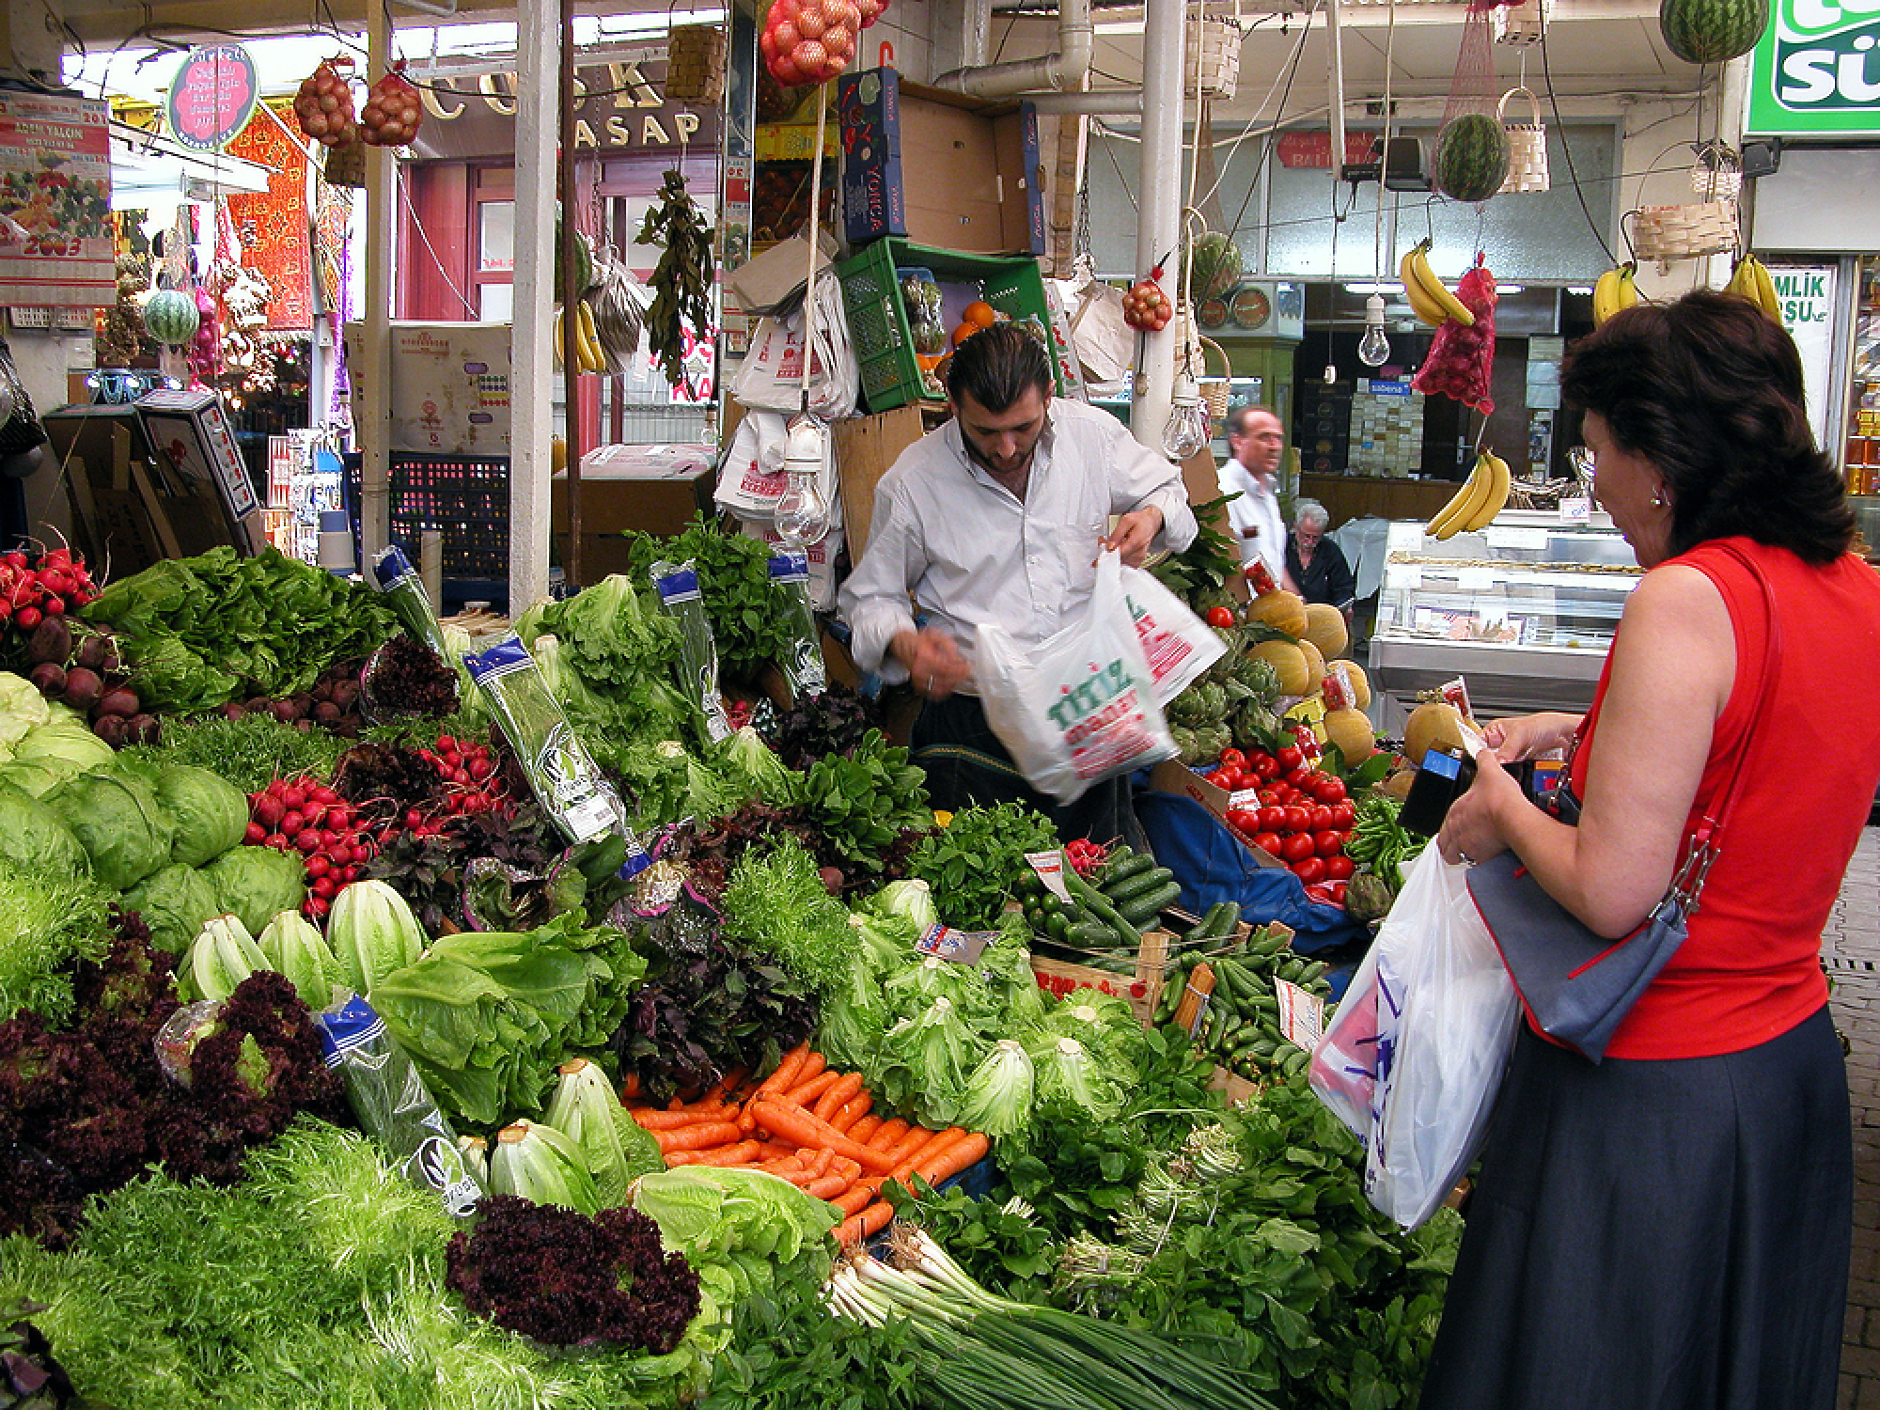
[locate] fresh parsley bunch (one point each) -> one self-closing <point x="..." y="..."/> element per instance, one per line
<point x="973" y="861"/>
<point x="861" y="803"/>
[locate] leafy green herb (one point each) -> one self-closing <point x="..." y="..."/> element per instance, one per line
<point x="972" y="862"/>
<point x="734" y="583"/>
<point x="1198" y="574"/>
<point x="47" y="920"/>
<point x="777" y="901"/>
<point x="682" y="280"/>
<point x="250" y="752"/>
<point x="862" y="803"/>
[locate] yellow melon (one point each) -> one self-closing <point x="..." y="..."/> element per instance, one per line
<point x="1433" y="724"/>
<point x="1325" y="629"/>
<point x="1397" y="783"/>
<point x="1288" y="663"/>
<point x="1351" y="731"/>
<point x="1283" y="611"/>
<point x="1315" y="665"/>
<point x="1360" y="684"/>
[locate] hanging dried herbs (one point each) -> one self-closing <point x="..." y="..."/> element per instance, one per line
<point x="682" y="280"/>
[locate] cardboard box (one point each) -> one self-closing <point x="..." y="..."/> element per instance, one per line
<point x="1173" y="776"/>
<point x="937" y="167"/>
<point x="647" y="488"/>
<point x="866" y="447"/>
<point x="450" y="387"/>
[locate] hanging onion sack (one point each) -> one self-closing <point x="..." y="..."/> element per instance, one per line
<point x="393" y="111"/>
<point x="171" y="317"/>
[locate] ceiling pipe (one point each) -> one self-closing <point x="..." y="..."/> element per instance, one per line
<point x="1065" y="67"/>
<point x="1113" y="102"/>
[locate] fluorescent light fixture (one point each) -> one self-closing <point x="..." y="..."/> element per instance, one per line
<point x="1121" y="27"/>
<point x="1376" y="286"/>
<point x="1510" y="289"/>
<point x="1583" y="290"/>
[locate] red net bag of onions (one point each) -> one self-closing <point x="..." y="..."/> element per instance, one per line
<point x="1461" y="359"/>
<point x="324" y="106"/>
<point x="392" y="112"/>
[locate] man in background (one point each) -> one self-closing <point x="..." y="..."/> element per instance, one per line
<point x="1255" y="441"/>
<point x="1314" y="563"/>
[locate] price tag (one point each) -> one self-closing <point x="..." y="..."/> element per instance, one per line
<point x="1301" y="1015"/>
<point x="1576" y="511"/>
<point x="1244" y="798"/>
<point x="960" y="946"/>
<point x="1523" y="538"/>
<point x="1049" y="867"/>
<point x="1474" y="579"/>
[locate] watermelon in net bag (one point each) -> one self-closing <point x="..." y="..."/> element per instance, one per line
<point x="1461" y="360"/>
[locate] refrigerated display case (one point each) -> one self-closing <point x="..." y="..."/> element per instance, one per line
<point x="1524" y="611"/>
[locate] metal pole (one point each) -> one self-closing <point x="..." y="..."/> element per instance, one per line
<point x="538" y="39"/>
<point x="1158" y="233"/>
<point x="374" y="433"/>
<point x="569" y="294"/>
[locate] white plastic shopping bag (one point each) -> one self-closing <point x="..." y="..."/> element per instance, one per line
<point x="1179" y="646"/>
<point x="1080" y="706"/>
<point x="771" y="374"/>
<point x="1414" y="1053"/>
<point x="751" y="478"/>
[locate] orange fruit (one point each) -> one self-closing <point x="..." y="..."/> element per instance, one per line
<point x="965" y="331"/>
<point x="980" y="314"/>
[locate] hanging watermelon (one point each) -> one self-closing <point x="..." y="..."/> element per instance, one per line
<point x="1472" y="155"/>
<point x="171" y="317"/>
<point x="1710" y="31"/>
<point x="1214" y="266"/>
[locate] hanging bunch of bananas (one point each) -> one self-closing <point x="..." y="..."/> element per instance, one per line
<point x="1752" y="281"/>
<point x="587" y="341"/>
<point x="1428" y="295"/>
<point x="1615" y="290"/>
<point x="1479" y="499"/>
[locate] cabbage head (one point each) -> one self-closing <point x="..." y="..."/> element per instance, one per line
<point x="175" y="903"/>
<point x="32" y="835"/>
<point x="122" y="827"/>
<point x="21" y="707"/>
<point x="255" y="884"/>
<point x="211" y="813"/>
<point x="67" y="744"/>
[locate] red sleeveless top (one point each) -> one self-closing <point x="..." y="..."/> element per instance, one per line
<point x="1750" y="968"/>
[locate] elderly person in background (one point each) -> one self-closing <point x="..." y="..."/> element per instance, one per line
<point x="1315" y="566"/>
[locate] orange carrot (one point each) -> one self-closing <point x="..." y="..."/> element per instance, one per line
<point x="777" y="1082"/>
<point x="777" y="1165"/>
<point x="887" y="1134"/>
<point x="700" y="1135"/>
<point x="839" y="1091"/>
<point x="848" y="1169"/>
<point x="655" y="1120"/>
<point x="858" y="1196"/>
<point x="826" y="1187"/>
<point x="909" y="1145"/>
<point x="817" y="1163"/>
<point x="772" y="1150"/>
<point x="969" y="1148"/>
<point x="737" y="1153"/>
<point x="630" y="1086"/>
<point x="926" y="1152"/>
<point x="804" y="1094"/>
<point x="865" y="1126"/>
<point x="871" y="1220"/>
<point x="792" y="1123"/>
<point x="721" y="1090"/>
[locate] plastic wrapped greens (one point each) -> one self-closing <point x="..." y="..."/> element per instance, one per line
<point x="561" y="773"/>
<point x="677" y="586"/>
<point x="803" y="667"/>
<point x="394" y="1106"/>
<point x="404" y="591"/>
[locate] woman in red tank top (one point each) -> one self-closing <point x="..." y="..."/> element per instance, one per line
<point x="1670" y="1229"/>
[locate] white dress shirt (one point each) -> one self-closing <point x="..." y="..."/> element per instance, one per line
<point x="1256" y="509"/>
<point x="966" y="550"/>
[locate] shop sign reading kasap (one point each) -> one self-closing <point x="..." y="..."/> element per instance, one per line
<point x="1817" y="69"/>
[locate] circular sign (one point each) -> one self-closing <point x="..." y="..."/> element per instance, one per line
<point x="1212" y="313"/>
<point x="1251" y="308"/>
<point x="212" y="96"/>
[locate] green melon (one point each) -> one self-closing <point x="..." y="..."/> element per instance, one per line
<point x="1710" y="31"/>
<point x="1471" y="158"/>
<point x="171" y="317"/>
<point x="1214" y="266"/>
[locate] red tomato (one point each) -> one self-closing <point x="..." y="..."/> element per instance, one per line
<point x="1289" y="758"/>
<point x="1338" y="868"/>
<point x="1220" y="617"/>
<point x="1298" y="847"/>
<point x="1338" y="893"/>
<point x="1269" y="796"/>
<point x="1232" y="758"/>
<point x="1333" y="790"/>
<point x="1272" y="819"/>
<point x="1343" y="815"/>
<point x="1233" y="780"/>
<point x="1309" y="869"/>
<point x="1328" y="843"/>
<point x="1244" y="818"/>
<point x="1319" y="818"/>
<point x="1264" y="765"/>
<point x="1297" y="819"/>
<point x="1269" y="843"/>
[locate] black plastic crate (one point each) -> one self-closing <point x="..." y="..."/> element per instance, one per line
<point x="463" y="497"/>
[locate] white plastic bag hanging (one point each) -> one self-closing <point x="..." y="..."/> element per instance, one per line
<point x="1178" y="645"/>
<point x="1080" y="706"/>
<point x="771" y="374"/>
<point x="1414" y="1053"/>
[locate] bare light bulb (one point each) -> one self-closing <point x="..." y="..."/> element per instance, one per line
<point x="1186" y="431"/>
<point x="1374" y="347"/>
<point x="802" y="514"/>
<point x="1331" y="374"/>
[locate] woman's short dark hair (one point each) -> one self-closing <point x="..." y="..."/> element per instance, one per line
<point x="1708" y="388"/>
<point x="996" y="365"/>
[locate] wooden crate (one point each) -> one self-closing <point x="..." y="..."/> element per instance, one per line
<point x="1143" y="989"/>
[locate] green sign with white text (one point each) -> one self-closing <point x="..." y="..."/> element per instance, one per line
<point x="1816" y="70"/>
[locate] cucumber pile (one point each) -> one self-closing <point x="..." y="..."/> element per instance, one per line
<point x="1239" y="1024"/>
<point x="1103" y="921"/>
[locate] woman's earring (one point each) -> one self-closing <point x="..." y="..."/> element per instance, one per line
<point x="1658" y="500"/>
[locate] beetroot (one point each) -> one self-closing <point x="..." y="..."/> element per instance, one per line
<point x="82" y="688"/>
<point x="144" y="729"/>
<point x="48" y="678"/>
<point x="95" y="654"/>
<point x="114" y="730"/>
<point x="51" y="641"/>
<point x="120" y="700"/>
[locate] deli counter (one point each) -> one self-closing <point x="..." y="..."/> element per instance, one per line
<point x="1523" y="611"/>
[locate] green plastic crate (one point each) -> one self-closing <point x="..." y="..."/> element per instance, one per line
<point x="878" y="326"/>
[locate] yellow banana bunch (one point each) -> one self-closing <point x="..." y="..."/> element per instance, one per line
<point x="1614" y="291"/>
<point x="587" y="341"/>
<point x="1429" y="296"/>
<point x="1477" y="501"/>
<point x="1751" y="280"/>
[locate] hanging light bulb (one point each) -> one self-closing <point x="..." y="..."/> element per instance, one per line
<point x="1331" y="374"/>
<point x="1374" y="347"/>
<point x="802" y="514"/>
<point x="1186" y="432"/>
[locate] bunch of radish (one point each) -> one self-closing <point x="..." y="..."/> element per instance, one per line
<point x="473" y="784"/>
<point x="38" y="585"/>
<point x="324" y="105"/>
<point x="392" y="112"/>
<point x="811" y="41"/>
<point x="334" y="837"/>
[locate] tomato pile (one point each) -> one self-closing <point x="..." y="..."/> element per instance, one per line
<point x="1085" y="857"/>
<point x="36" y="586"/>
<point x="1303" y="815"/>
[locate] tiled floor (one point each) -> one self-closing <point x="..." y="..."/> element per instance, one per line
<point x="1851" y="949"/>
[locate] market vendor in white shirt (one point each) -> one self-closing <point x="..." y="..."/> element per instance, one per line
<point x="1255" y="440"/>
<point x="998" y="516"/>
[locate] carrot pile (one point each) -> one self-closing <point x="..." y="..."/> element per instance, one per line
<point x="813" y="1126"/>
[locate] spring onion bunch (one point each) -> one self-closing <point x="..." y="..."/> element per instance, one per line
<point x="977" y="1349"/>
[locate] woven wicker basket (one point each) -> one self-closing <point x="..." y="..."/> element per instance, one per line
<point x="695" y="63"/>
<point x="345" y="166"/>
<point x="1527" y="146"/>
<point x="1215" y="390"/>
<point x="1215" y="49"/>
<point x="1524" y="22"/>
<point x="1684" y="232"/>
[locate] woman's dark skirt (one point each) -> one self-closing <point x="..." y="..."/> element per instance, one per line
<point x="1656" y="1235"/>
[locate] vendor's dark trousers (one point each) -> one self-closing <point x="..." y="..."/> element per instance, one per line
<point x="966" y="764"/>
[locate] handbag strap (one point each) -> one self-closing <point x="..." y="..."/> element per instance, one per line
<point x="1688" y="881"/>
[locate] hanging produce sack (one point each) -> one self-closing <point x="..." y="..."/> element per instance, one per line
<point x="1413" y="1056"/>
<point x="1080" y="706"/>
<point x="771" y="375"/>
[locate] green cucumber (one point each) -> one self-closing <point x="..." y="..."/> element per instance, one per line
<point x="1151" y="878"/>
<point x="1100" y="907"/>
<point x="1143" y="910"/>
<point x="1123" y="867"/>
<point x="1090" y="935"/>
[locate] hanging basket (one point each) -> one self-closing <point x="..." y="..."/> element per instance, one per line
<point x="1215" y="391"/>
<point x="695" y="63"/>
<point x="346" y="166"/>
<point x="1717" y="174"/>
<point x="1527" y="146"/>
<point x="1522" y="23"/>
<point x="1684" y="232"/>
<point x="1214" y="68"/>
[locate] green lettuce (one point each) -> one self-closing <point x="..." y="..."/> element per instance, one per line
<point x="255" y="884"/>
<point x="776" y="900"/>
<point x="31" y="834"/>
<point x="998" y="1095"/>
<point x="927" y="1059"/>
<point x="119" y="822"/>
<point x="211" y="814"/>
<point x="175" y="903"/>
<point x="48" y="919"/>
